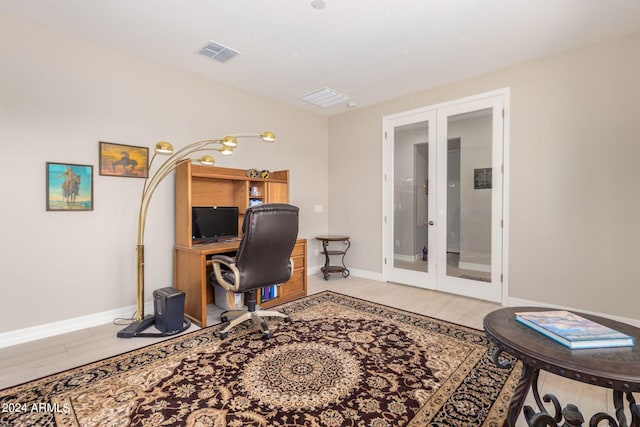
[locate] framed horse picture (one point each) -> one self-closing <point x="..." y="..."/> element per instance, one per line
<point x="124" y="160"/>
<point x="69" y="187"/>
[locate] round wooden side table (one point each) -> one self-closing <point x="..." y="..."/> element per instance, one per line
<point x="616" y="368"/>
<point x="328" y="268"/>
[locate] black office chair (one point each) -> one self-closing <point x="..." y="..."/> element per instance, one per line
<point x="269" y="233"/>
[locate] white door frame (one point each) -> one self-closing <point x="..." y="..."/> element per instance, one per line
<point x="387" y="165"/>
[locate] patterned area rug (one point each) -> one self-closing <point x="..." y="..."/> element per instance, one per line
<point x="342" y="361"/>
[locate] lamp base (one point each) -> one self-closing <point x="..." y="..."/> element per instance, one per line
<point x="136" y="329"/>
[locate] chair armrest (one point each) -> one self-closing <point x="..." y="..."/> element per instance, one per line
<point x="225" y="259"/>
<point x="229" y="263"/>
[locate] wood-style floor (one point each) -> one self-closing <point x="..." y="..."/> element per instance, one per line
<point x="32" y="360"/>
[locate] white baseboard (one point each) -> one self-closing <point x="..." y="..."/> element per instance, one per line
<point x="511" y="302"/>
<point x="21" y="336"/>
<point x="352" y="271"/>
<point x="405" y="258"/>
<point x="33" y="333"/>
<point x="365" y="274"/>
<point x="473" y="266"/>
<point x="517" y="302"/>
<point x="313" y="270"/>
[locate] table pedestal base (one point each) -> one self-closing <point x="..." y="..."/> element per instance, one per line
<point x="570" y="413"/>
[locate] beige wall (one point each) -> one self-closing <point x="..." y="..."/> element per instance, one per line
<point x="574" y="202"/>
<point x="59" y="96"/>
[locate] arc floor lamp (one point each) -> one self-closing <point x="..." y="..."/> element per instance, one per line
<point x="225" y="146"/>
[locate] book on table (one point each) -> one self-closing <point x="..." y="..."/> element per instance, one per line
<point x="573" y="331"/>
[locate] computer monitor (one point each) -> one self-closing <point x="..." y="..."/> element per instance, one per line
<point x="212" y="223"/>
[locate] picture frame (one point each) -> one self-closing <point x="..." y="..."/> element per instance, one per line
<point x="482" y="179"/>
<point x="123" y="160"/>
<point x="69" y="187"/>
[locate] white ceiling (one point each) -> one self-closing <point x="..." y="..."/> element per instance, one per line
<point x="370" y="51"/>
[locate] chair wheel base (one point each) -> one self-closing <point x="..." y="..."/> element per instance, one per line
<point x="224" y="335"/>
<point x="224" y="319"/>
<point x="287" y="320"/>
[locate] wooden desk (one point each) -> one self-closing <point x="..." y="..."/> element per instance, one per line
<point x="191" y="275"/>
<point x="614" y="368"/>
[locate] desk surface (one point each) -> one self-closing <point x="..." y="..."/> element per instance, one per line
<point x="211" y="248"/>
<point x="615" y="368"/>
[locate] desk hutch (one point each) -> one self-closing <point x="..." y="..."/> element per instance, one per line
<point x="198" y="185"/>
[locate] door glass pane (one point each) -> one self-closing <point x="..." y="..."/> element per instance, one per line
<point x="469" y="182"/>
<point x="410" y="196"/>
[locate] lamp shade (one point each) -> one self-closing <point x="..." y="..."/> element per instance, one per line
<point x="268" y="136"/>
<point x="207" y="160"/>
<point x="226" y="151"/>
<point x="164" y="147"/>
<point x="230" y="141"/>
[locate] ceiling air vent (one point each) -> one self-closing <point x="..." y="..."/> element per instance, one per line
<point x="218" y="52"/>
<point x="324" y="97"/>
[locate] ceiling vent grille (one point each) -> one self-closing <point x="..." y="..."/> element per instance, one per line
<point x="324" y="97"/>
<point x="218" y="52"/>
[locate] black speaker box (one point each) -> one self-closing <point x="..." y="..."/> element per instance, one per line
<point x="168" y="304"/>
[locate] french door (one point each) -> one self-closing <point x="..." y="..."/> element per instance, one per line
<point x="443" y="197"/>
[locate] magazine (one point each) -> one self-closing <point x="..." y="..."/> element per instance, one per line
<point x="574" y="331"/>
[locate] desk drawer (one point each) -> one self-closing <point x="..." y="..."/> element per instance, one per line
<point x="295" y="285"/>
<point x="298" y="249"/>
<point x="298" y="263"/>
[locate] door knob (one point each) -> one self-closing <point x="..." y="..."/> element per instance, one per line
<point x="431" y="223"/>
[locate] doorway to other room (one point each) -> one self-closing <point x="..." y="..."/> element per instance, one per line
<point x="443" y="197"/>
